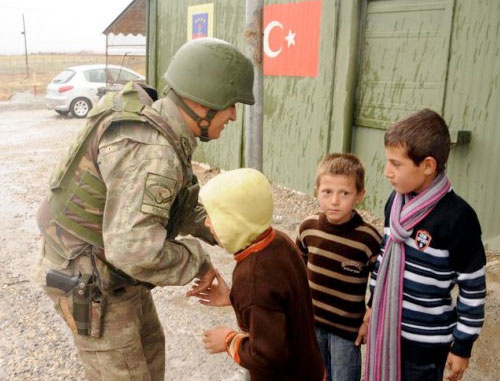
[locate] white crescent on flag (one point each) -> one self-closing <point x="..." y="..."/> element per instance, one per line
<point x="267" y="49"/>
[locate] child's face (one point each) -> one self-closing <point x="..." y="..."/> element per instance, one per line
<point x="405" y="176"/>
<point x="337" y="196"/>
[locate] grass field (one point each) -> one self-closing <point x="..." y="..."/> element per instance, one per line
<point x="44" y="67"/>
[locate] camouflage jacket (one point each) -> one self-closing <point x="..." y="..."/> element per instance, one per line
<point x="122" y="195"/>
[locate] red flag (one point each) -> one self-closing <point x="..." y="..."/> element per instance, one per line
<point x="291" y="38"/>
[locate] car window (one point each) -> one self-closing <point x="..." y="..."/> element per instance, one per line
<point x="64" y="76"/>
<point x="95" y="75"/>
<point x="122" y="75"/>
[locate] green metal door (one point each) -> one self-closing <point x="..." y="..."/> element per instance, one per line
<point x="404" y="60"/>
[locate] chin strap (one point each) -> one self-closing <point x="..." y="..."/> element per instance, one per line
<point x="203" y="123"/>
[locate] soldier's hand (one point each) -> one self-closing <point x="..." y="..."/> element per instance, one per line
<point x="203" y="282"/>
<point x="217" y="295"/>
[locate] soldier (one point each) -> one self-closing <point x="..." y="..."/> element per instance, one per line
<point x="118" y="201"/>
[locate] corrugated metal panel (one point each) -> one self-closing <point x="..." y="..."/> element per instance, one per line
<point x="473" y="103"/>
<point x="297" y="115"/>
<point x="131" y="21"/>
<point x="405" y="56"/>
<point x="403" y="68"/>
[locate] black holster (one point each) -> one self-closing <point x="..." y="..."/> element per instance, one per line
<point x="88" y="306"/>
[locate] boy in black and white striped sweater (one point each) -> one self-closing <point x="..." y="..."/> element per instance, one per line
<point x="443" y="249"/>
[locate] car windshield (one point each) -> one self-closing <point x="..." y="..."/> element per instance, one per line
<point x="64" y="76"/>
<point x="122" y="76"/>
<point x="95" y="75"/>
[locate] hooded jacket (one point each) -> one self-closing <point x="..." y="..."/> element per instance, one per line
<point x="270" y="292"/>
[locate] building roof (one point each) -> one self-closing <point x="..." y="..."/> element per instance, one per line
<point x="131" y="21"/>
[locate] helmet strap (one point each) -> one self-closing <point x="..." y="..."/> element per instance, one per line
<point x="202" y="122"/>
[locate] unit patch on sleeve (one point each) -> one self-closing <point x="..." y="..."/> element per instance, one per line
<point x="423" y="239"/>
<point x="158" y="193"/>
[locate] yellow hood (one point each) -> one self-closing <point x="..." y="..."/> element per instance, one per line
<point x="240" y="206"/>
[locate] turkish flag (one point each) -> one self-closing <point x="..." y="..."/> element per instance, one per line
<point x="291" y="38"/>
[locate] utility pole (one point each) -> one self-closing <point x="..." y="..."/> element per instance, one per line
<point x="25" y="49"/>
<point x="254" y="116"/>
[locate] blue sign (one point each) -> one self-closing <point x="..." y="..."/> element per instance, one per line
<point x="200" y="25"/>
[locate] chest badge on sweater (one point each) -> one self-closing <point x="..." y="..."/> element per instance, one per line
<point x="352" y="267"/>
<point x="423" y="239"/>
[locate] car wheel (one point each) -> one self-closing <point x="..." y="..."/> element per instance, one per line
<point x="62" y="112"/>
<point x="80" y="107"/>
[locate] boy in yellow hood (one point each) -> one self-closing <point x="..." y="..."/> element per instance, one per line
<point x="270" y="292"/>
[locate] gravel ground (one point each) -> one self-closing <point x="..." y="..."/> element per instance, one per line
<point x="34" y="342"/>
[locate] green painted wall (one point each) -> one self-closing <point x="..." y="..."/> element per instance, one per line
<point x="441" y="54"/>
<point x="298" y="112"/>
<point x="306" y="118"/>
<point x="297" y="115"/>
<point x="404" y="59"/>
<point x="473" y="103"/>
<point x="171" y="33"/>
<point x="379" y="60"/>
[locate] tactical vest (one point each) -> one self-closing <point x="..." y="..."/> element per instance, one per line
<point x="71" y="215"/>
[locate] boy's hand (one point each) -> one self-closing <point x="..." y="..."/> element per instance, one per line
<point x="368" y="316"/>
<point x="455" y="367"/>
<point x="214" y="339"/>
<point x="216" y="295"/>
<point x="362" y="332"/>
<point x="202" y="283"/>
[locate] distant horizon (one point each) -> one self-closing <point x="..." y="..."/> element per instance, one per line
<point x="81" y="52"/>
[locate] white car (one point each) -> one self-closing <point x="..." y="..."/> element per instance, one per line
<point x="77" y="89"/>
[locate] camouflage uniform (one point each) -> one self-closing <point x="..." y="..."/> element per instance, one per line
<point x="109" y="212"/>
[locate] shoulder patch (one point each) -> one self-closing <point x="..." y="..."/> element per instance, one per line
<point x="158" y="195"/>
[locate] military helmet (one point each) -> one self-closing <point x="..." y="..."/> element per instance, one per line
<point x="211" y="72"/>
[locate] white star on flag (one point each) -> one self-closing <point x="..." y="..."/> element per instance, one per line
<point x="290" y="38"/>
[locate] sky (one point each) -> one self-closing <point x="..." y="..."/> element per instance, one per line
<point x="56" y="26"/>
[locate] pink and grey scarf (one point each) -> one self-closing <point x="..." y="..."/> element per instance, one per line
<point x="384" y="336"/>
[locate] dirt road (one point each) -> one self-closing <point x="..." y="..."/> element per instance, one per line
<point x="34" y="342"/>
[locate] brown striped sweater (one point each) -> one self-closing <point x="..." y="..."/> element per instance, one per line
<point x="339" y="259"/>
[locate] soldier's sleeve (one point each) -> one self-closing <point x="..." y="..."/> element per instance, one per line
<point x="143" y="175"/>
<point x="194" y="224"/>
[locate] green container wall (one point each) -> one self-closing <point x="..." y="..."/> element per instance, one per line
<point x="297" y="130"/>
<point x="445" y="57"/>
<point x="297" y="115"/>
<point x="170" y="33"/>
<point x="403" y="65"/>
<point x="473" y="103"/>
<point x="441" y="54"/>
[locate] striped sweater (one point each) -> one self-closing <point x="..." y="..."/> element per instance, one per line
<point x="444" y="249"/>
<point x="339" y="259"/>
